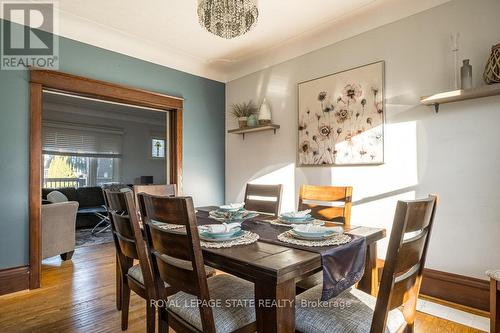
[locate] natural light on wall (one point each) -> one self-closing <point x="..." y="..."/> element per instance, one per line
<point x="378" y="188"/>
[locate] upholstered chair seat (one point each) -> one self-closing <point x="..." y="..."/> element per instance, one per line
<point x="136" y="273"/>
<point x="228" y="317"/>
<point x="351" y="311"/>
<point x="494" y="274"/>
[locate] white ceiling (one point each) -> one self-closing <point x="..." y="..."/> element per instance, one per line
<point x="167" y="32"/>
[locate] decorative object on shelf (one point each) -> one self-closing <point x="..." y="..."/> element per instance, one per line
<point x="341" y="118"/>
<point x="454" y="50"/>
<point x="466" y="75"/>
<point x="492" y="70"/>
<point x="252" y="121"/>
<point x="264" y="113"/>
<point x="242" y="111"/>
<point x="228" y="18"/>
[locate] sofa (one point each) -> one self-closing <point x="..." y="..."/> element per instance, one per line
<point x="58" y="229"/>
<point x="90" y="200"/>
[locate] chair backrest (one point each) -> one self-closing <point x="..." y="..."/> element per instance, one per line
<point x="402" y="274"/>
<point x="176" y="254"/>
<point x="127" y="234"/>
<point x="263" y="198"/>
<point x="323" y="201"/>
<point x="168" y="190"/>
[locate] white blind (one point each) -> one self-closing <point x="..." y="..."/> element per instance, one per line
<point x="71" y="139"/>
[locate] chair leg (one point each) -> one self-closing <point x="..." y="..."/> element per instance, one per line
<point x="67" y="255"/>
<point x="150" y="317"/>
<point x="494" y="307"/>
<point x="162" y="320"/>
<point x="118" y="286"/>
<point x="125" y="304"/>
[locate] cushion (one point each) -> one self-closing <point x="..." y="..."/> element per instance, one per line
<point x="234" y="310"/>
<point x="135" y="272"/>
<point x="90" y="196"/>
<point x="351" y="311"/>
<point x="494" y="274"/>
<point x="56" y="197"/>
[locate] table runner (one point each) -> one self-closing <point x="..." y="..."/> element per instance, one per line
<point x="343" y="265"/>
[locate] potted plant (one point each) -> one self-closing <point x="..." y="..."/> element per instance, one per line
<point x="242" y="111"/>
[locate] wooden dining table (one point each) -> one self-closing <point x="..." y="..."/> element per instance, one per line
<point x="275" y="269"/>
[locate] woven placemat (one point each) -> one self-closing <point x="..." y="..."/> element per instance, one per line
<point x="247" y="238"/>
<point x="337" y="239"/>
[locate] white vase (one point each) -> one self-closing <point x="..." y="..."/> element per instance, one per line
<point x="264" y="113"/>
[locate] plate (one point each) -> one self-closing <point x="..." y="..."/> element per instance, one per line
<point x="205" y="237"/>
<point x="222" y="235"/>
<point x="287" y="216"/>
<point x="316" y="231"/>
<point x="306" y="221"/>
<point x="310" y="238"/>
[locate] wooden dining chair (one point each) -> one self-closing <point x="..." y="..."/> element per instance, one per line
<point x="323" y="201"/>
<point x="130" y="246"/>
<point x="263" y="198"/>
<point x="394" y="309"/>
<point x="494" y="300"/>
<point x="167" y="190"/>
<point x="177" y="259"/>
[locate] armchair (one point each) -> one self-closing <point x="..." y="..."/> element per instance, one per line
<point x="58" y="229"/>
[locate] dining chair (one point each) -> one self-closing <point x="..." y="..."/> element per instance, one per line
<point x="168" y="190"/>
<point x="263" y="198"/>
<point x="323" y="201"/>
<point x="130" y="246"/>
<point x="394" y="309"/>
<point x="494" y="300"/>
<point x="177" y="259"/>
<point x="329" y="203"/>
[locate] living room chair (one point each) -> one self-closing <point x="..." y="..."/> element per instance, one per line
<point x="494" y="300"/>
<point x="177" y="260"/>
<point x="400" y="284"/>
<point x="58" y="229"/>
<point x="263" y="198"/>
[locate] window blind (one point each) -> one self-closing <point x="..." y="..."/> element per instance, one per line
<point x="72" y="139"/>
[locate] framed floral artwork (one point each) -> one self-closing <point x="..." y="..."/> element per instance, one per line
<point x="341" y="118"/>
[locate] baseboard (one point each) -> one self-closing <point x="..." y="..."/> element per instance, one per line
<point x="464" y="290"/>
<point x="14" y="279"/>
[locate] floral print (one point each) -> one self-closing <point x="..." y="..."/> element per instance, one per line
<point x="341" y="119"/>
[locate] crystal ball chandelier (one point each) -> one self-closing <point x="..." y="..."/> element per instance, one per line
<point x="228" y="18"/>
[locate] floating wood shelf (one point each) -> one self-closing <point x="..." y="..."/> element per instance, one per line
<point x="245" y="130"/>
<point x="460" y="95"/>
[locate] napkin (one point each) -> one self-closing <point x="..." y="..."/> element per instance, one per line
<point x="233" y="206"/>
<point x="219" y="228"/>
<point x="301" y="213"/>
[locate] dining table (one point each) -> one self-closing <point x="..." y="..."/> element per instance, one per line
<point x="276" y="267"/>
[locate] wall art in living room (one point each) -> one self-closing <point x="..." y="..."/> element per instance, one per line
<point x="341" y="118"/>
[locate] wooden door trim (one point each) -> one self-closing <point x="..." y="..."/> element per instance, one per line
<point x="81" y="86"/>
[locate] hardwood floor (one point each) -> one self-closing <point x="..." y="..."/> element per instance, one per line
<point x="79" y="296"/>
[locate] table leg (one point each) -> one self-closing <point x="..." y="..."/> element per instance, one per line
<point x="369" y="282"/>
<point x="275" y="306"/>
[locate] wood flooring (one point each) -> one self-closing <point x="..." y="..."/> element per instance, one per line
<point x="79" y="296"/>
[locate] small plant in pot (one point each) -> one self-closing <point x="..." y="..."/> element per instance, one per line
<point x="242" y="111"/>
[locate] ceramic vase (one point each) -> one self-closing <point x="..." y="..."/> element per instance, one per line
<point x="264" y="113"/>
<point x="252" y="121"/>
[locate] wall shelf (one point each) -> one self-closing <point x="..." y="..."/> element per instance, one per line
<point x="460" y="95"/>
<point x="245" y="130"/>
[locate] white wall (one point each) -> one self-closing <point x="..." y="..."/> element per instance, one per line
<point x="454" y="153"/>
<point x="136" y="157"/>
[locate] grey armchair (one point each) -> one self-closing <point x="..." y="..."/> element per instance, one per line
<point x="58" y="229"/>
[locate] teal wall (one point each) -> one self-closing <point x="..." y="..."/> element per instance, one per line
<point x="203" y="132"/>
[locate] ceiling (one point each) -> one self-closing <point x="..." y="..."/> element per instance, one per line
<point x="167" y="32"/>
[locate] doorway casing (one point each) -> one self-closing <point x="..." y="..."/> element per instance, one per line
<point x="41" y="80"/>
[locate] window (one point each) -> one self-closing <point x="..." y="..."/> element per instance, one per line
<point x="77" y="156"/>
<point x="158" y="148"/>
